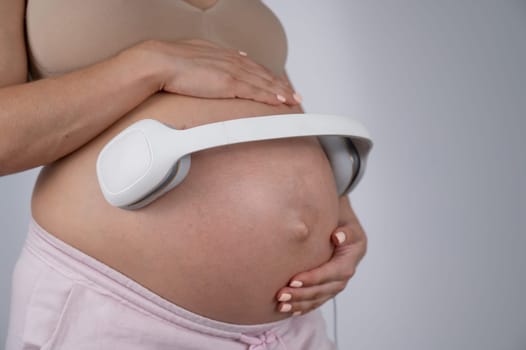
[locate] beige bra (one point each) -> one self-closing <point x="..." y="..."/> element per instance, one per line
<point x="64" y="35"/>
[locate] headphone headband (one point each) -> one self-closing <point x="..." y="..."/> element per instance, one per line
<point x="268" y="128"/>
<point x="149" y="158"/>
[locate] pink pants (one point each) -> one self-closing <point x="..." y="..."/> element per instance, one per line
<point x="65" y="299"/>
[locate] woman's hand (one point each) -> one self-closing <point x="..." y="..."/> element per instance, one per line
<point x="309" y="290"/>
<point x="200" y="68"/>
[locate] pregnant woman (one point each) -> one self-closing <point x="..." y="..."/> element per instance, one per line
<point x="239" y="255"/>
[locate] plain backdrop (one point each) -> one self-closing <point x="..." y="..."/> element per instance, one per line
<point x="441" y="86"/>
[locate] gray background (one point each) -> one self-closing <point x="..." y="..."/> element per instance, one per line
<point x="441" y="86"/>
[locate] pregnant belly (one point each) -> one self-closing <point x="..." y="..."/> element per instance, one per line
<point x="246" y="218"/>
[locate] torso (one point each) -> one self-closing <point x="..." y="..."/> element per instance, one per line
<point x="246" y="218"/>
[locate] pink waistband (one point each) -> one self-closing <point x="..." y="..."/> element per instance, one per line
<point x="80" y="266"/>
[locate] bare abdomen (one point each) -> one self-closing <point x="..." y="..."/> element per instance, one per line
<point x="246" y="218"/>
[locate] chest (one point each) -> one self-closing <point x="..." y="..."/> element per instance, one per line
<point x="202" y="4"/>
<point x="64" y="35"/>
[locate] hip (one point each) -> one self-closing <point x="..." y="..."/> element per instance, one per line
<point x="63" y="298"/>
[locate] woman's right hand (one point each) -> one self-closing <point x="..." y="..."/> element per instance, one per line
<point x="200" y="68"/>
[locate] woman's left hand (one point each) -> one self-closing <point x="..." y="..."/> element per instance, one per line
<point x="310" y="289"/>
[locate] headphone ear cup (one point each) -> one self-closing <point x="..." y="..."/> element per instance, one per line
<point x="344" y="162"/>
<point x="137" y="162"/>
<point x="174" y="177"/>
<point x="124" y="161"/>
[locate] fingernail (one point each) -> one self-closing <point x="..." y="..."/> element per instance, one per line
<point x="296" y="313"/>
<point x="340" y="236"/>
<point x="285" y="308"/>
<point x="242" y="53"/>
<point x="285" y="297"/>
<point x="281" y="98"/>
<point x="297" y="97"/>
<point x="296" y="284"/>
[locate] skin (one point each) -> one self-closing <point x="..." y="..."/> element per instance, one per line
<point x="41" y="128"/>
<point x="329" y="279"/>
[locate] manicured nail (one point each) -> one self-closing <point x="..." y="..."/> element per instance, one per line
<point x="281" y="98"/>
<point x="296" y="313"/>
<point x="285" y="297"/>
<point x="340" y="236"/>
<point x="242" y="53"/>
<point x="285" y="308"/>
<point x="297" y="97"/>
<point x="296" y="284"/>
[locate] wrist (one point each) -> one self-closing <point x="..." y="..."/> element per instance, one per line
<point x="141" y="61"/>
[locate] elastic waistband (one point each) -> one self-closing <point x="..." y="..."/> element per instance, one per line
<point x="79" y="266"/>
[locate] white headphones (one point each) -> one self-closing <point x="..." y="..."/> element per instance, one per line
<point x="149" y="158"/>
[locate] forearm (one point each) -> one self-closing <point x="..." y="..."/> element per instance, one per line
<point x="44" y="120"/>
